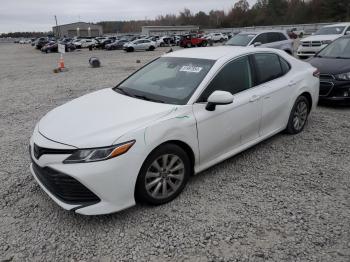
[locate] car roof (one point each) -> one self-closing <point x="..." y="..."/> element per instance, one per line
<point x="340" y="24"/>
<point x="214" y="53"/>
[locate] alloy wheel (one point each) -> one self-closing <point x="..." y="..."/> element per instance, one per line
<point x="164" y="176"/>
<point x="300" y="115"/>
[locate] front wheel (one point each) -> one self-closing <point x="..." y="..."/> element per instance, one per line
<point x="163" y="175"/>
<point x="151" y="48"/>
<point x="298" y="116"/>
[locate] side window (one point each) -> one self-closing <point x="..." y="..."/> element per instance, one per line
<point x="268" y="67"/>
<point x="282" y="37"/>
<point x="262" y="38"/>
<point x="285" y="66"/>
<point x="273" y="37"/>
<point x="347" y="31"/>
<point x="234" y="78"/>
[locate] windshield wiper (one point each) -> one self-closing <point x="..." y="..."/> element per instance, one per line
<point x="340" y="57"/>
<point x="122" y="90"/>
<point x="148" y="98"/>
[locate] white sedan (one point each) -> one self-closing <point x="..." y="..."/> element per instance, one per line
<point x="177" y="116"/>
<point x="140" y="44"/>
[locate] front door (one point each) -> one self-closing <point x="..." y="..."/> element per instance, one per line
<point x="233" y="125"/>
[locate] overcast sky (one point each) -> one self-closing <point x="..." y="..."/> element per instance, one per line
<point x="38" y="15"/>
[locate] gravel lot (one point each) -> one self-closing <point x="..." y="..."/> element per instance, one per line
<point x="286" y="199"/>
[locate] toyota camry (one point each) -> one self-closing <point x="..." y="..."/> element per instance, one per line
<point x="175" y="117"/>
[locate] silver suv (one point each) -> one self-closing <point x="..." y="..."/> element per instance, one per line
<point x="273" y="39"/>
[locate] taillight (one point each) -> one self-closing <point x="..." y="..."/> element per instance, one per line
<point x="317" y="73"/>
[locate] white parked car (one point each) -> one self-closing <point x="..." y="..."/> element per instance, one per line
<point x="140" y="44"/>
<point x="216" y="37"/>
<point x="309" y="46"/>
<point x="84" y="43"/>
<point x="270" y="38"/>
<point x="177" y="116"/>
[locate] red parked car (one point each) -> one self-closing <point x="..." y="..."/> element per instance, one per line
<point x="192" y="40"/>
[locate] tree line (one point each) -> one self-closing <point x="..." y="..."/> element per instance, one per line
<point x="263" y="12"/>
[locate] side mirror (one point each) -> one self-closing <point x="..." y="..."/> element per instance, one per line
<point x="257" y="44"/>
<point x="219" y="98"/>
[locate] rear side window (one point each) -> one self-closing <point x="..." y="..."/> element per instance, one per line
<point x="270" y="67"/>
<point x="285" y="66"/>
<point x="235" y="77"/>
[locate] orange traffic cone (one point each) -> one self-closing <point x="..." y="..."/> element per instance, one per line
<point x="61" y="63"/>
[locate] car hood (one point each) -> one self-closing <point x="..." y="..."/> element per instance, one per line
<point x="320" y="38"/>
<point x="331" y="66"/>
<point x="99" y="119"/>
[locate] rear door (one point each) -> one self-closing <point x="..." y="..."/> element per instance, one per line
<point x="276" y="85"/>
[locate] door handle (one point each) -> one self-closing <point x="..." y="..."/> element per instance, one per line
<point x="292" y="83"/>
<point x="254" y="98"/>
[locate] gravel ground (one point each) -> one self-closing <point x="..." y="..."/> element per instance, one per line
<point x="286" y="199"/>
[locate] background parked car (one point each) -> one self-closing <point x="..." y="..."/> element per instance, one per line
<point x="165" y="41"/>
<point x="216" y="37"/>
<point x="271" y="39"/>
<point x="140" y="44"/>
<point x="40" y="42"/>
<point x="309" y="46"/>
<point x="333" y="63"/>
<point x="193" y="40"/>
<point x="85" y="43"/>
<point x="117" y="45"/>
<point x="101" y="44"/>
<point x="52" y="46"/>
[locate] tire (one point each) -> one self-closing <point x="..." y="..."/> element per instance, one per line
<point x="161" y="45"/>
<point x="154" y="174"/>
<point x="204" y="43"/>
<point x="298" y="116"/>
<point x="130" y="49"/>
<point x="189" y="45"/>
<point x="151" y="48"/>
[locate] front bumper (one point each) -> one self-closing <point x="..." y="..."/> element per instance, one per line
<point x="309" y="51"/>
<point x="334" y="92"/>
<point x="112" y="182"/>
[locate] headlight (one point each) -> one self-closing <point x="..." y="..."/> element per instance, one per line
<point x="344" y="76"/>
<point x="326" y="42"/>
<point x="98" y="154"/>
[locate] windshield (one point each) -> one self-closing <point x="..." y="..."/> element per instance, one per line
<point x="169" y="80"/>
<point x="338" y="49"/>
<point x="241" y="40"/>
<point x="333" y="30"/>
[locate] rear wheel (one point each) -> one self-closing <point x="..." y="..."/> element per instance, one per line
<point x="130" y="49"/>
<point x="298" y="116"/>
<point x="189" y="45"/>
<point x="163" y="175"/>
<point x="151" y="48"/>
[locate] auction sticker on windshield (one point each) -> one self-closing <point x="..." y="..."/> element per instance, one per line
<point x="191" y="69"/>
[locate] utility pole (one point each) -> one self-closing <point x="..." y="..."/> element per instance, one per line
<point x="58" y="28"/>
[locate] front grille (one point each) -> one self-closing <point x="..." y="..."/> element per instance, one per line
<point x="39" y="151"/>
<point x="64" y="187"/>
<point x="326" y="77"/>
<point x="325" y="88"/>
<point x="311" y="44"/>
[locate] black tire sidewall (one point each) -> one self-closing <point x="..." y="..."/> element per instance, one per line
<point x="290" y="127"/>
<point x="141" y="194"/>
